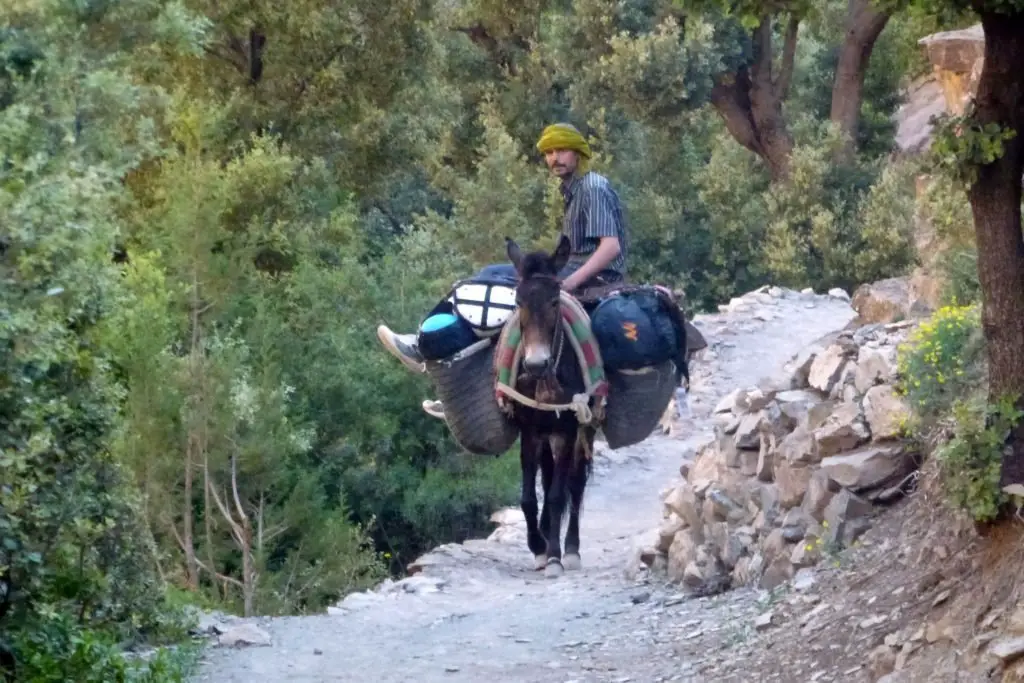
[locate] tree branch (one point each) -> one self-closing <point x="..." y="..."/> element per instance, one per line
<point x="731" y="99"/>
<point x="785" y="77"/>
<point x="257" y="41"/>
<point x="761" y="42"/>
<point x="234" y="488"/>
<point x="236" y="530"/>
<point x="864" y="24"/>
<point x="481" y="37"/>
<point x="222" y="577"/>
<point x="235" y="59"/>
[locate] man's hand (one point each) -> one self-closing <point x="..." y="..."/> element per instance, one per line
<point x="571" y="282"/>
<point x="606" y="251"/>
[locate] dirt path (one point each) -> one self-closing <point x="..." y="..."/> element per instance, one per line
<point x="478" y="612"/>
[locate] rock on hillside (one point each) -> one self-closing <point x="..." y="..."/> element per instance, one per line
<point x="795" y="469"/>
<point x="956" y="58"/>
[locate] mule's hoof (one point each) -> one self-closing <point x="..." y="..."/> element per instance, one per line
<point x="572" y="562"/>
<point x="553" y="570"/>
<point x="540" y="562"/>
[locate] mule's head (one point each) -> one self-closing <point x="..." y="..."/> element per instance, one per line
<point x="538" y="296"/>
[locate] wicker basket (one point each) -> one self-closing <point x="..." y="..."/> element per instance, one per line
<point x="636" y="402"/>
<point x="465" y="385"/>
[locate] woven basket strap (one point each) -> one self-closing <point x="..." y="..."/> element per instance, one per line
<point x="506" y="355"/>
<point x="585" y="344"/>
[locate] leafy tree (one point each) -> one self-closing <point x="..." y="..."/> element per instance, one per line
<point x="754" y="78"/>
<point x="76" y="564"/>
<point x="985" y="150"/>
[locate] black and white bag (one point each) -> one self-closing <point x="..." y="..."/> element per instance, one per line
<point x="484" y="304"/>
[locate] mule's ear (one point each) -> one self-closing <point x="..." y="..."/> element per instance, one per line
<point x="561" y="255"/>
<point x="515" y="254"/>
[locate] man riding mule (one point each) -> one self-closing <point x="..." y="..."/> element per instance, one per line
<point x="593" y="223"/>
<point x="550" y="348"/>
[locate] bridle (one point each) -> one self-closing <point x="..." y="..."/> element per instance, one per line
<point x="558" y="339"/>
<point x="581" y="402"/>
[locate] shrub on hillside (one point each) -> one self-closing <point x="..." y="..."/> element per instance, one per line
<point x="942" y="376"/>
<point x="970" y="462"/>
<point x="941" y="362"/>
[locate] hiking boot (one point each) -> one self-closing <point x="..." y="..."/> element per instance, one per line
<point x="403" y="347"/>
<point x="434" y="409"/>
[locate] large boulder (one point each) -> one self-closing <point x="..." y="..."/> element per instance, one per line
<point x="885" y="412"/>
<point x="885" y="301"/>
<point x="868" y="467"/>
<point x="957" y="58"/>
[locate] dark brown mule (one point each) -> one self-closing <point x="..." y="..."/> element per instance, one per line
<point x="555" y="442"/>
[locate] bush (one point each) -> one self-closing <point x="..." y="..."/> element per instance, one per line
<point x="455" y="503"/>
<point x="942" y="375"/>
<point x="970" y="462"/>
<point x="959" y="272"/>
<point x="941" y="362"/>
<point x="57" y="649"/>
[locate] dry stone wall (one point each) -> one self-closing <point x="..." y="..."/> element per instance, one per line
<point x="796" y="469"/>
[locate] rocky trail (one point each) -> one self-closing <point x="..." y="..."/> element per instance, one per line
<point x="479" y="612"/>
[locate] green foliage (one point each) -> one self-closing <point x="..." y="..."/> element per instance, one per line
<point x="948" y="212"/>
<point x="818" y="56"/>
<point x="941" y="362"/>
<point x="961" y="145"/>
<point x="941" y="374"/>
<point x="830" y="226"/>
<point x="56" y="649"/>
<point x="970" y="463"/>
<point x="223" y="295"/>
<point x="839" y="226"/>
<point x="456" y="501"/>
<point x="945" y="209"/>
<point x="959" y="269"/>
<point x="75" y="560"/>
<point x="735" y="230"/>
<point x="505" y="195"/>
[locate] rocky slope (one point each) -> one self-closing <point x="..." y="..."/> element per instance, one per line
<point x="795" y="470"/>
<point x="477" y="611"/>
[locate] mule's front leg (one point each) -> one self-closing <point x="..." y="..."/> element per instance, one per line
<point x="529" y="450"/>
<point x="554" y="501"/>
<point x="579" y="472"/>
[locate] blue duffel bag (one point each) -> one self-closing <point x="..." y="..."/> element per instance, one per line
<point x="634" y="330"/>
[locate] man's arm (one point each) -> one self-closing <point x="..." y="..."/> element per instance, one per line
<point x="602" y="224"/>
<point x="606" y="251"/>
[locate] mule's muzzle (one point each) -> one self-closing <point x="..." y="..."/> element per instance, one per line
<point x="537" y="367"/>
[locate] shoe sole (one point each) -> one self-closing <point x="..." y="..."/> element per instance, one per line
<point x="429" y="409"/>
<point x="385" y="339"/>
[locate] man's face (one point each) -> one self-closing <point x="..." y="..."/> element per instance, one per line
<point x="562" y="162"/>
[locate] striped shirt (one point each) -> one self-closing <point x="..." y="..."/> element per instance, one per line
<point x="592" y="211"/>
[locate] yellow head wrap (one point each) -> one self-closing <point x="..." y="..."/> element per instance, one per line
<point x="563" y="136"/>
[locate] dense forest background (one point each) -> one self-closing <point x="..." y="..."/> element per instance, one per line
<point x="207" y="207"/>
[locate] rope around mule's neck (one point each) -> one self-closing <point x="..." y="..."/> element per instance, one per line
<point x="580" y="403"/>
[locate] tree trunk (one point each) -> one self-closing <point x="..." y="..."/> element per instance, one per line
<point x="244" y="544"/>
<point x="187" y="540"/>
<point x="208" y="522"/>
<point x="995" y="202"/>
<point x="191" y="446"/>
<point x="750" y="101"/>
<point x="863" y="26"/>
